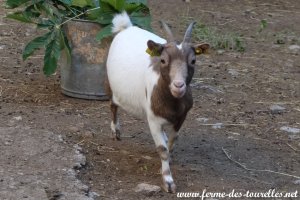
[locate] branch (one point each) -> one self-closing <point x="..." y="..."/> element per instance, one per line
<point x="257" y="170"/>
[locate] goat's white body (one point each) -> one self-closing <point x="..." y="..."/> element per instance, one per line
<point x="129" y="71"/>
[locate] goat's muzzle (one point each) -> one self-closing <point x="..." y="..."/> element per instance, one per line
<point x="178" y="88"/>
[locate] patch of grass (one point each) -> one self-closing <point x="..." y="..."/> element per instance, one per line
<point x="217" y="39"/>
<point x="286" y="36"/>
<point x="263" y="25"/>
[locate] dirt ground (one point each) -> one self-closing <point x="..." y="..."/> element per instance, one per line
<point x="232" y="88"/>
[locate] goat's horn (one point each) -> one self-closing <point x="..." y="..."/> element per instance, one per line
<point x="188" y="34"/>
<point x="170" y="37"/>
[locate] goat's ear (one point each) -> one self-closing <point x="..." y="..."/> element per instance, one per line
<point x="201" y="48"/>
<point x="154" y="49"/>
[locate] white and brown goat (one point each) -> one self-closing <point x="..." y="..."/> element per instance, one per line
<point x="154" y="87"/>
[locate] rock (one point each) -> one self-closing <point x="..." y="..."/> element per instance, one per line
<point x="233" y="72"/>
<point x="217" y="126"/>
<point x="147" y="157"/>
<point x="50" y="175"/>
<point x="290" y="129"/>
<point x="202" y="119"/>
<point x="294" y="133"/>
<point x="294" y="48"/>
<point x="297" y="182"/>
<point x="18" y="118"/>
<point x="124" y="152"/>
<point x="73" y="129"/>
<point x="220" y="52"/>
<point x="147" y="189"/>
<point x="2" y="47"/>
<point x="276" y="109"/>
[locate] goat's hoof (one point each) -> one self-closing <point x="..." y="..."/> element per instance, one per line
<point x="169" y="186"/>
<point x="116" y="135"/>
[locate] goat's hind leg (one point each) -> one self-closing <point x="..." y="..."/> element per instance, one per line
<point x="115" y="125"/>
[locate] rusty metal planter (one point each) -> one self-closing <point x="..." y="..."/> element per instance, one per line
<point x="84" y="76"/>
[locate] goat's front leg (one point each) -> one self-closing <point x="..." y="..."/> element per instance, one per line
<point x="115" y="125"/>
<point x="163" y="151"/>
<point x="173" y="136"/>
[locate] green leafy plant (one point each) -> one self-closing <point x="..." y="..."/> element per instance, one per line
<point x="230" y="41"/>
<point x="53" y="14"/>
<point x="263" y="24"/>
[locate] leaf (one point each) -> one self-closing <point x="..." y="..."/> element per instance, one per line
<point x="82" y="3"/>
<point x="104" y="15"/>
<point x="105" y="32"/>
<point x="31" y="11"/>
<point x="116" y="4"/>
<point x="45" y="23"/>
<point x="68" y="2"/>
<point x="105" y="18"/>
<point x="136" y="7"/>
<point x="141" y="20"/>
<point x="52" y="54"/>
<point x="20" y="16"/>
<point x="137" y="1"/>
<point x="15" y="3"/>
<point x="35" y="44"/>
<point x="65" y="46"/>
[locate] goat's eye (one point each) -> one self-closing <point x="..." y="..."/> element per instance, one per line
<point x="193" y="62"/>
<point x="163" y="61"/>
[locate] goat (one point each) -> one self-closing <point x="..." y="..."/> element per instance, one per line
<point x="154" y="86"/>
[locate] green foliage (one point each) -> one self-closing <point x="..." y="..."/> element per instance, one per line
<point x="20" y="16"/>
<point x="263" y="25"/>
<point x="52" y="53"/>
<point x="82" y="3"/>
<point x="35" y="44"/>
<point x="105" y="32"/>
<point x="217" y="40"/>
<point x="15" y="3"/>
<point x="116" y="4"/>
<point x="52" y="14"/>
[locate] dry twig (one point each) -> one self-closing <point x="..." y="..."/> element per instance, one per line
<point x="279" y="103"/>
<point x="257" y="170"/>
<point x="292" y="147"/>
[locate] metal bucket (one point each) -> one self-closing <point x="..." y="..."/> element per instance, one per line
<point x="84" y="77"/>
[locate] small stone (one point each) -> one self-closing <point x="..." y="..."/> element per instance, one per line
<point x="147" y="189"/>
<point x="73" y="129"/>
<point x="293" y="132"/>
<point x="297" y="182"/>
<point x="8" y="142"/>
<point x="290" y="129"/>
<point x="124" y="152"/>
<point x="217" y="126"/>
<point x="147" y="157"/>
<point x="18" y="118"/>
<point x="220" y="52"/>
<point x="294" y="48"/>
<point x="276" y="109"/>
<point x="2" y="47"/>
<point x="233" y="72"/>
<point x="202" y="119"/>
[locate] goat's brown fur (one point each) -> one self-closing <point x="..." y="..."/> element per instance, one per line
<point x="163" y="103"/>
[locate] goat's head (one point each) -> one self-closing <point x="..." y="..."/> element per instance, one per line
<point x="176" y="63"/>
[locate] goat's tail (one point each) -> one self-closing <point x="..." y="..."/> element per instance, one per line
<point x="121" y="22"/>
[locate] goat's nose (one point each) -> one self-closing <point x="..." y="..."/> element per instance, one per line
<point x="178" y="84"/>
